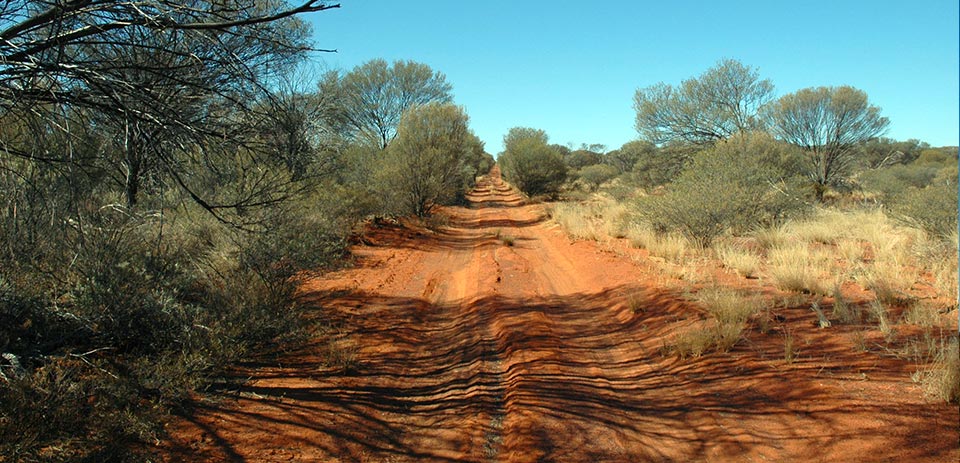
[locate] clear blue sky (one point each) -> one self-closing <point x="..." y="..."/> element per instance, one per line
<point x="571" y="67"/>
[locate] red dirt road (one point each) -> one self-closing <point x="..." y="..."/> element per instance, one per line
<point x="468" y="349"/>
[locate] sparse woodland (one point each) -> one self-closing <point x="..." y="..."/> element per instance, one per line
<point x="171" y="171"/>
<point x="732" y="192"/>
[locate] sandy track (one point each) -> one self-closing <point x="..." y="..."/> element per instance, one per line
<point x="467" y="349"/>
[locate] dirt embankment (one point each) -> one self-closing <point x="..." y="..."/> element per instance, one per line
<point x="497" y="339"/>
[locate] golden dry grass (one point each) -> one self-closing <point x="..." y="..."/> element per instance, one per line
<point x="740" y="260"/>
<point x="598" y="219"/>
<point x="729" y="311"/>
<point x="940" y="380"/>
<point x="796" y="267"/>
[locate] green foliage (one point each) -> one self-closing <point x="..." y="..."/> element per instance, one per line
<point x="581" y="158"/>
<point x="894" y="181"/>
<point x="882" y="152"/>
<point x="100" y="347"/>
<point x="433" y="158"/>
<point x="657" y="166"/>
<point x="933" y="208"/>
<point x="922" y="193"/>
<point x="530" y="164"/>
<point x="597" y="174"/>
<point x="945" y="156"/>
<point x="628" y="155"/>
<point x="374" y="95"/>
<point x="724" y="100"/>
<point x="736" y="185"/>
<point x="829" y="124"/>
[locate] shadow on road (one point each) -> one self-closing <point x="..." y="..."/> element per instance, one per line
<point x="578" y="378"/>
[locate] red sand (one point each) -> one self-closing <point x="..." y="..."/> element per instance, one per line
<point x="468" y="349"/>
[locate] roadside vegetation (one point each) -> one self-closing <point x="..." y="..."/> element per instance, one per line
<point x="164" y="195"/>
<point x="799" y="195"/>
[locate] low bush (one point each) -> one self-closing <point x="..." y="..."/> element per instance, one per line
<point x="934" y="208"/>
<point x="595" y="175"/>
<point x="140" y="320"/>
<point x="734" y="186"/>
<point x="532" y="165"/>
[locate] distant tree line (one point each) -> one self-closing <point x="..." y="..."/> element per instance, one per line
<point x="720" y="150"/>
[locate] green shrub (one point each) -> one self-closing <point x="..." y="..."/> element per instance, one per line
<point x="140" y="320"/>
<point x="893" y="182"/>
<point x="597" y="174"/>
<point x="735" y="185"/>
<point x="654" y="167"/>
<point x="530" y="164"/>
<point x="432" y="159"/>
<point x="934" y="208"/>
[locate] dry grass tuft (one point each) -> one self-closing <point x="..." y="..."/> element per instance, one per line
<point x="794" y="267"/>
<point x="577" y="220"/>
<point x="826" y="227"/>
<point x="941" y="380"/>
<point x="636" y="302"/>
<point x="740" y="260"/>
<point x="694" y="342"/>
<point x="673" y="248"/>
<point x="730" y="310"/>
<point x="878" y="311"/>
<point x="771" y="237"/>
<point x="843" y="311"/>
<point x="885" y="279"/>
<point x="640" y="236"/>
<point x="597" y="220"/>
<point x="922" y="313"/>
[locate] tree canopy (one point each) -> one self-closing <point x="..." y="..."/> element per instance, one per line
<point x="433" y="150"/>
<point x="724" y="100"/>
<point x="374" y="95"/>
<point x="829" y="123"/>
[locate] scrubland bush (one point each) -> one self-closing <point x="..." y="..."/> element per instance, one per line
<point x="433" y="159"/>
<point x="934" y="208"/>
<point x="594" y="175"/>
<point x="654" y="167"/>
<point x="139" y="320"/>
<point x="530" y="164"/>
<point x="735" y="185"/>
